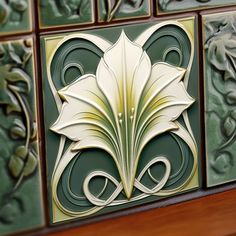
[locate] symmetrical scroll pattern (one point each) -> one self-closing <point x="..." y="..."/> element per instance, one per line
<point x="220" y="83"/>
<point x="119" y="109"/>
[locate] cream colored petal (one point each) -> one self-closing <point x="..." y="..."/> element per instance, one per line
<point x="123" y="73"/>
<point x="140" y="78"/>
<point x="85" y="89"/>
<point x="164" y="94"/>
<point x="162" y="76"/>
<point x="164" y="100"/>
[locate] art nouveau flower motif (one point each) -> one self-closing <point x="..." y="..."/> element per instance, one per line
<point x="121" y="108"/>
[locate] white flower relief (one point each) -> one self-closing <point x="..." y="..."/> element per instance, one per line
<point x="121" y="108"/>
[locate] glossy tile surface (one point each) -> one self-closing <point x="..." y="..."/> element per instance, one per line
<point x="53" y="13"/>
<point x="20" y="189"/>
<point x="109" y="10"/>
<point x="99" y="157"/>
<point x="15" y="16"/>
<point x="220" y="98"/>
<point x="171" y="6"/>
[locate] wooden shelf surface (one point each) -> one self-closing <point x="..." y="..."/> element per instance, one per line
<point x="214" y="215"/>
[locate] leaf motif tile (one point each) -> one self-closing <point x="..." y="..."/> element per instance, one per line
<point x="172" y="6"/>
<point x="21" y="206"/>
<point x="219" y="78"/>
<point x="110" y="10"/>
<point x="54" y="13"/>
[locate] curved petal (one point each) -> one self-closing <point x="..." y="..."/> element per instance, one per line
<point x="164" y="100"/>
<point x="123" y="73"/>
<point x="84" y="97"/>
<point x="164" y="93"/>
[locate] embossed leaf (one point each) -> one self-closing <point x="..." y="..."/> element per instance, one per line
<point x="8" y="78"/>
<point x="16" y="165"/>
<point x="30" y="165"/>
<point x="14" y="56"/>
<point x="18" y="129"/>
<point x="21" y="152"/>
<point x="222" y="55"/>
<point x="128" y="103"/>
<point x="231" y="98"/>
<point x="229" y="126"/>
<point x="223" y="163"/>
<point x="10" y="212"/>
<point x="7" y="99"/>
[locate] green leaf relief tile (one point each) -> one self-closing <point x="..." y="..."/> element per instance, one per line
<point x="109" y="10"/>
<point x="20" y="190"/>
<point x="220" y="97"/>
<point x="15" y="16"/>
<point x="168" y="6"/>
<point x="121" y="117"/>
<point x="57" y="13"/>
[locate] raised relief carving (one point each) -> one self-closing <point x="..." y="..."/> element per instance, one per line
<point x="11" y="12"/>
<point x="18" y="141"/>
<point x="66" y="11"/>
<point x="119" y="108"/>
<point x="220" y="77"/>
<point x="163" y="3"/>
<point x="175" y="5"/>
<point x="112" y="9"/>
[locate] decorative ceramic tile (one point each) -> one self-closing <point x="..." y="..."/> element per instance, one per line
<point x="168" y="6"/>
<point x="220" y="97"/>
<point x="121" y="116"/>
<point x="20" y="189"/>
<point x="15" y="16"/>
<point x="109" y="10"/>
<point x="54" y="13"/>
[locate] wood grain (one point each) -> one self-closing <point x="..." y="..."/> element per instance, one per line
<point x="213" y="215"/>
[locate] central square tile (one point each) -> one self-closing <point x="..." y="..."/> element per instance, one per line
<point x="121" y="116"/>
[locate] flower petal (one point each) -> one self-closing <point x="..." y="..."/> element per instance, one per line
<point x="164" y="93"/>
<point x="164" y="100"/>
<point x="123" y="73"/>
<point x="84" y="111"/>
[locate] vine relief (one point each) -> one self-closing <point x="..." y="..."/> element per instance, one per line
<point x="164" y="3"/>
<point x="119" y="108"/>
<point x="112" y="9"/>
<point x="71" y="11"/>
<point x="18" y="146"/>
<point x="11" y="11"/>
<point x="174" y="5"/>
<point x="220" y="58"/>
